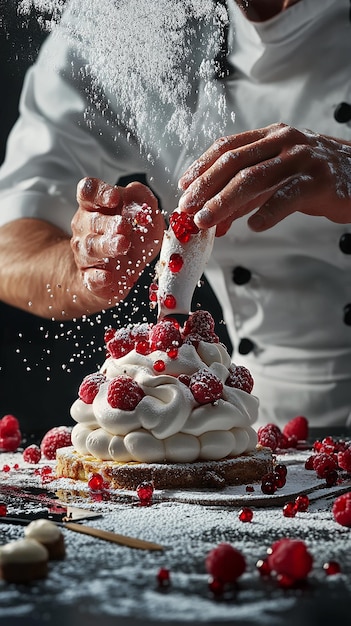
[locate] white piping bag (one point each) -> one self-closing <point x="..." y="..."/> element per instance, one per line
<point x="181" y="264"/>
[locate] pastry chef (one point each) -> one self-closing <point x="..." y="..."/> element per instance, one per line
<point x="266" y="158"/>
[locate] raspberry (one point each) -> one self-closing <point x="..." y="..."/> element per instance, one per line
<point x="32" y="454"/>
<point x="90" y="386"/>
<point x="342" y="510"/>
<point x="200" y="322"/>
<point x="10" y="434"/>
<point x="269" y="436"/>
<point x="344" y="459"/>
<point x="10" y="443"/>
<point x="124" y="393"/>
<point x="140" y="332"/>
<point x="165" y="335"/>
<point x="225" y="563"/>
<point x="109" y="334"/>
<point x="290" y="557"/>
<point x="9" y="425"/>
<point x="240" y="378"/>
<point x="205" y="386"/>
<point x="121" y="344"/>
<point x="57" y="437"/>
<point x="323" y="464"/>
<point x="297" y="427"/>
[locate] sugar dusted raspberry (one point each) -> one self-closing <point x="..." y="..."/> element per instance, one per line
<point x="240" y="378"/>
<point x="225" y="563"/>
<point x="200" y="322"/>
<point x="344" y="459"/>
<point x="57" y="437"/>
<point x="164" y="336"/>
<point x="140" y="332"/>
<point x="296" y="427"/>
<point x="205" y="386"/>
<point x="269" y="436"/>
<point x="323" y="464"/>
<point x="124" y="393"/>
<point x="32" y="454"/>
<point x="121" y="344"/>
<point x="291" y="558"/>
<point x="342" y="509"/>
<point x="109" y="334"/>
<point x="185" y="379"/>
<point x="90" y="386"/>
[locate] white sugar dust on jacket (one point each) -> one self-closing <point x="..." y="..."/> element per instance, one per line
<point x="166" y="394"/>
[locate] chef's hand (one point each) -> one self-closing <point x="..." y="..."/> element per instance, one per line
<point x="117" y="231"/>
<point x="272" y="171"/>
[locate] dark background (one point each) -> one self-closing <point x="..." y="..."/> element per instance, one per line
<point x="42" y="362"/>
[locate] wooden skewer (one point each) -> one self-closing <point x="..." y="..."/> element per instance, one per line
<point x="124" y="540"/>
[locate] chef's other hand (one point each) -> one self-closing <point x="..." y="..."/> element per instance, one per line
<point x="117" y="231"/>
<point x="272" y="171"/>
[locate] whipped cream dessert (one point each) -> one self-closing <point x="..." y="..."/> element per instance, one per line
<point x="166" y="394"/>
<point x="184" y="254"/>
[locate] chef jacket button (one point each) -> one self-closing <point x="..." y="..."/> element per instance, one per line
<point x="246" y="345"/>
<point x="342" y="113"/>
<point x="347" y="314"/>
<point x="345" y="243"/>
<point x="241" y="275"/>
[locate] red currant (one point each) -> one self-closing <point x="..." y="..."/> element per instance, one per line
<point x="175" y="262"/>
<point x="245" y="515"/>
<point x="96" y="482"/>
<point x="302" y="503"/>
<point x="145" y="492"/>
<point x="331" y="568"/>
<point x="290" y="509"/>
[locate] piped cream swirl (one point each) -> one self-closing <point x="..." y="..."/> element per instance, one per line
<point x="168" y="424"/>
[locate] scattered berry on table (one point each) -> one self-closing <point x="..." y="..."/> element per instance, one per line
<point x="32" y="454"/>
<point x="57" y="437"/>
<point x="246" y="514"/>
<point x="290" y="558"/>
<point x="342" y="509"/>
<point x="225" y="563"/>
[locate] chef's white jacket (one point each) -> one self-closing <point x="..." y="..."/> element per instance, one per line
<point x="286" y="293"/>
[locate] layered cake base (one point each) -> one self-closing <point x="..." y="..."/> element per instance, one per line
<point x="244" y="469"/>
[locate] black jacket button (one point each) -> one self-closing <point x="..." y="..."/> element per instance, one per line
<point x="347" y="314"/>
<point x="342" y="113"/>
<point x="345" y="243"/>
<point x="241" y="275"/>
<point x="246" y="345"/>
